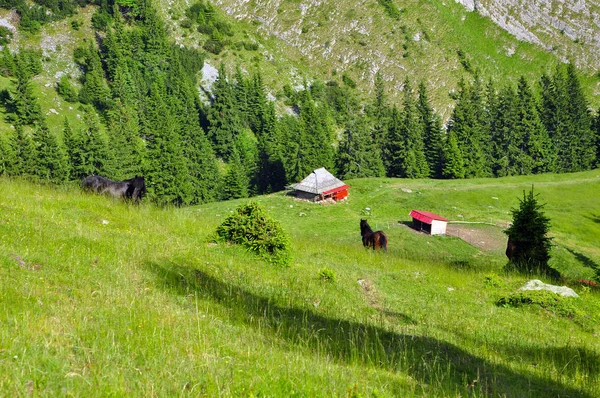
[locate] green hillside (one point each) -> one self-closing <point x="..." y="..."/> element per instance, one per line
<point x="436" y="41"/>
<point x="101" y="298"/>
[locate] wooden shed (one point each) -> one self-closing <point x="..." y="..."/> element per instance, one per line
<point x="320" y="185"/>
<point x="428" y="222"/>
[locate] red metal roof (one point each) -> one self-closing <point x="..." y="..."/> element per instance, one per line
<point x="334" y="190"/>
<point x="425" y="216"/>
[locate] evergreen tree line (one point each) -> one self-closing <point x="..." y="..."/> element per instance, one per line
<point x="142" y="115"/>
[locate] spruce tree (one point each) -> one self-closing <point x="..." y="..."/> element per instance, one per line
<point x="433" y="135"/>
<point x="224" y="120"/>
<point x="409" y="158"/>
<point x="235" y="183"/>
<point x="539" y="153"/>
<point x="270" y="171"/>
<point x="392" y="156"/>
<point x="6" y="156"/>
<point x="125" y="142"/>
<point x="95" y="91"/>
<point x="315" y="135"/>
<point x="95" y="156"/>
<point x="167" y="174"/>
<point x="23" y="152"/>
<point x="202" y="167"/>
<point x="380" y="113"/>
<point x="22" y="100"/>
<point x="453" y="161"/>
<point x="466" y="123"/>
<point x="72" y="145"/>
<point x="529" y="235"/>
<point x="358" y="156"/>
<point x="582" y="148"/>
<point x="50" y="162"/>
<point x="508" y="142"/>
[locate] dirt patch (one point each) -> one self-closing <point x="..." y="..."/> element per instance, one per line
<point x="370" y="292"/>
<point x="485" y="237"/>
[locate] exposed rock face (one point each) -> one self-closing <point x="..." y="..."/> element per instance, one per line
<point x="536" y="284"/>
<point x="570" y="28"/>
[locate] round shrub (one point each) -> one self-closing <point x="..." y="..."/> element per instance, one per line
<point x="250" y="227"/>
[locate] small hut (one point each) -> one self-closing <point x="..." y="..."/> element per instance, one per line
<point x="320" y="185"/>
<point x="429" y="222"/>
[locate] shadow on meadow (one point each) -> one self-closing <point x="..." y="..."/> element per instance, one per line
<point x="586" y="261"/>
<point x="571" y="360"/>
<point x="438" y="364"/>
<point x="594" y="217"/>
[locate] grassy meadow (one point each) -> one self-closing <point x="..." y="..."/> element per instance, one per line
<point x="103" y="298"/>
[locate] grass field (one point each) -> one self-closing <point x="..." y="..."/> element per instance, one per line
<point x="102" y="298"/>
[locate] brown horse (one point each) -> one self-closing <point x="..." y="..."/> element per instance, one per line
<point x="377" y="239"/>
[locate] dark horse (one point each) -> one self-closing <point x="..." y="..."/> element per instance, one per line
<point x="377" y="239"/>
<point x="511" y="247"/>
<point x="133" y="189"/>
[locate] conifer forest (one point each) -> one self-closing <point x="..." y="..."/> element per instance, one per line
<point x="143" y="115"/>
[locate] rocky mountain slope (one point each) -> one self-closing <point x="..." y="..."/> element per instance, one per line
<point x="437" y="41"/>
<point x="568" y="28"/>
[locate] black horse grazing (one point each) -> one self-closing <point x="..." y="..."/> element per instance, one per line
<point x="134" y="188"/>
<point x="377" y="239"/>
<point x="511" y="247"/>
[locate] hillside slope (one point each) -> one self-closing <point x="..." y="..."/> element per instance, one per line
<point x="434" y="41"/>
<point x="100" y="298"/>
<point x="568" y="28"/>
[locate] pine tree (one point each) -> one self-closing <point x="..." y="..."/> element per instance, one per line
<point x="167" y="174"/>
<point x="529" y="235"/>
<point x="582" y="148"/>
<point x="394" y="145"/>
<point x="95" y="157"/>
<point x="453" y="162"/>
<point x="433" y="135"/>
<point x="22" y="100"/>
<point x="597" y="132"/>
<point x="316" y="134"/>
<point x="507" y="141"/>
<point x="539" y="152"/>
<point x="125" y="142"/>
<point x="95" y="91"/>
<point x="202" y="167"/>
<point x="270" y="171"/>
<point x="235" y="184"/>
<point x="409" y="158"/>
<point x="225" y="123"/>
<point x="567" y="119"/>
<point x="72" y="144"/>
<point x="50" y="162"/>
<point x="23" y="151"/>
<point x="466" y="123"/>
<point x="6" y="156"/>
<point x="358" y="156"/>
<point x="380" y="113"/>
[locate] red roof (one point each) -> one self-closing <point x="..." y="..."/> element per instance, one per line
<point x="426" y="217"/>
<point x="334" y="190"/>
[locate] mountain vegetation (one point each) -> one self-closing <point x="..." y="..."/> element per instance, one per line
<point x="103" y="298"/>
<point x="142" y="114"/>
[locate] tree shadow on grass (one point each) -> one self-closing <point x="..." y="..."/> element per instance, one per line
<point x="443" y="367"/>
<point x="586" y="261"/>
<point x="594" y="217"/>
<point x="570" y="360"/>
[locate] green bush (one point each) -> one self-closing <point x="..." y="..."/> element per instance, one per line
<point x="66" y="90"/>
<point x="549" y="301"/>
<point x="250" y="227"/>
<point x="327" y="275"/>
<point x="214" y="46"/>
<point x="6" y="35"/>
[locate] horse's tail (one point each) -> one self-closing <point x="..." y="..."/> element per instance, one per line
<point x="384" y="241"/>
